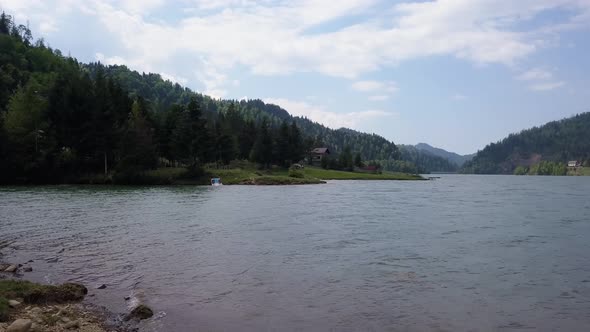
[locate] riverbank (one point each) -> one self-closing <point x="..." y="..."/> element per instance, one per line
<point x="273" y="176"/>
<point x="26" y="306"/>
<point x="244" y="174"/>
<point x="579" y="171"/>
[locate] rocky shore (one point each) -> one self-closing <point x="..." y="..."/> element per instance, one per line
<point x="30" y="307"/>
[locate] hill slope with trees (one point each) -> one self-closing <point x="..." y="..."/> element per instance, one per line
<point x="557" y="141"/>
<point x="63" y="121"/>
<point x="163" y="94"/>
<point x="450" y="156"/>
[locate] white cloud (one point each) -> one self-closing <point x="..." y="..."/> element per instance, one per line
<point x="535" y="74"/>
<point x="174" y="79"/>
<point x="330" y="119"/>
<point x="384" y="89"/>
<point x="540" y="80"/>
<point x="114" y="60"/>
<point x="139" y="6"/>
<point x="274" y="38"/>
<point x="546" y="86"/>
<point x="372" y="86"/>
<point x="378" y="98"/>
<point x="459" y="97"/>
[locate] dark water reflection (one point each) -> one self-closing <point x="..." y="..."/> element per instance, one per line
<point x="461" y="253"/>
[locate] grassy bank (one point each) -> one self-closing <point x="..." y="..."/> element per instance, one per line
<point x="250" y="175"/>
<point x="32" y="293"/>
<point x="328" y="174"/>
<point x="581" y="171"/>
<point x="244" y="173"/>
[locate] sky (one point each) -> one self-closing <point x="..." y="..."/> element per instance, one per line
<point x="457" y="74"/>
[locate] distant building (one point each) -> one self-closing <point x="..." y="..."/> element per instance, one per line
<point x="574" y="163"/>
<point x="318" y="154"/>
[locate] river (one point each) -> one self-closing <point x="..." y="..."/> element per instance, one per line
<point x="460" y="253"/>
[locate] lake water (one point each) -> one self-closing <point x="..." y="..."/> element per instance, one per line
<point x="461" y="253"/>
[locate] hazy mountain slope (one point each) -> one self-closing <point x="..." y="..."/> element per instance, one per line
<point x="451" y="156"/>
<point x="563" y="140"/>
<point x="425" y="161"/>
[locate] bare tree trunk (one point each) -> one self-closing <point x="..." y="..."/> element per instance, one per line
<point x="106" y="167"/>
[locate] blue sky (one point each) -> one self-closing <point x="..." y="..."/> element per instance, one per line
<point x="456" y="74"/>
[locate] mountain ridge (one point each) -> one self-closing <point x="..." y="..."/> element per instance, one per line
<point x="556" y="141"/>
<point x="451" y="156"/>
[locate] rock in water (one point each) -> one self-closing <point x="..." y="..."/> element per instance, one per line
<point x="11" y="268"/>
<point x="13" y="303"/>
<point x="103" y="286"/>
<point x="20" y="325"/>
<point x="28" y="269"/>
<point x="140" y="312"/>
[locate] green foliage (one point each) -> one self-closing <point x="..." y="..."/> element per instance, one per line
<point x="62" y="121"/>
<point x="521" y="170"/>
<point x="137" y="147"/>
<point x="420" y="161"/>
<point x="164" y="94"/>
<point x="358" y="161"/>
<point x="36" y="293"/>
<point x="548" y="168"/>
<point x="401" y="166"/>
<point x="296" y="173"/>
<point x="324" y="174"/>
<point x="325" y="162"/>
<point x="345" y="161"/>
<point x="557" y="141"/>
<point x="262" y="151"/>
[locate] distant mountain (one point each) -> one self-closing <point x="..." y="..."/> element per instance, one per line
<point x="450" y="156"/>
<point x="425" y="161"/>
<point x="557" y="141"/>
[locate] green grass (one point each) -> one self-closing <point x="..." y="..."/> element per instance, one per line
<point x="582" y="171"/>
<point x="328" y="174"/>
<point x="248" y="173"/>
<point x="37" y="293"/>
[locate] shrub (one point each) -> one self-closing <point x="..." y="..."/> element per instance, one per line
<point x="293" y="173"/>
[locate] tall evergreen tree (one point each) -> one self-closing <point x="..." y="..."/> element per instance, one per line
<point x="297" y="149"/>
<point x="263" y="147"/>
<point x="137" y="146"/>
<point x="282" y="146"/>
<point x="246" y="139"/>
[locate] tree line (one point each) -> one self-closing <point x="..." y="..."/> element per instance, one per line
<point x="60" y="121"/>
<point x="557" y="141"/>
<point x="542" y="168"/>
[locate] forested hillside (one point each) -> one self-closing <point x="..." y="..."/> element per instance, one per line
<point x="62" y="121"/>
<point x="424" y="161"/>
<point x="163" y="94"/>
<point x="557" y="141"/>
<point x="450" y="156"/>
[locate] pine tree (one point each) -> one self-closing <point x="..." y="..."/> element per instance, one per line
<point x="138" y="149"/>
<point x="263" y="147"/>
<point x="246" y="139"/>
<point x="283" y="145"/>
<point x="297" y="150"/>
<point x="358" y="162"/>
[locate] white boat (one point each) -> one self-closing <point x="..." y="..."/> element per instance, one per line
<point x="216" y="182"/>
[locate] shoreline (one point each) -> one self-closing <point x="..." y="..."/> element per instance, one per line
<point x="29" y="306"/>
<point x="233" y="176"/>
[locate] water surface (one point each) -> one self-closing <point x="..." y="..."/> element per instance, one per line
<point x="477" y="253"/>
